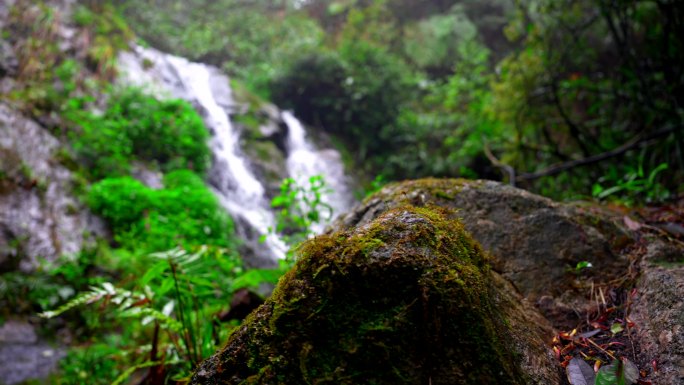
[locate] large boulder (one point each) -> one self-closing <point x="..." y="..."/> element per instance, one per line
<point x="407" y="298"/>
<point x="534" y="242"/>
<point x="532" y="246"/>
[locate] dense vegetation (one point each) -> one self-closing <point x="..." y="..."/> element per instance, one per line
<point x="171" y="260"/>
<point x="566" y="98"/>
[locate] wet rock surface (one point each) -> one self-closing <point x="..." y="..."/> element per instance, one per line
<point x="23" y="356"/>
<point x="534" y="242"/>
<point x="407" y="298"/>
<point x="658" y="310"/>
<point x="533" y="245"/>
<point x="39" y="215"/>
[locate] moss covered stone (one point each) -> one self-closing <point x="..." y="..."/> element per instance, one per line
<point x="534" y="242"/>
<point x="405" y="299"/>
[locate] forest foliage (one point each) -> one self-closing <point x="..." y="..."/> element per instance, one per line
<point x="566" y="98"/>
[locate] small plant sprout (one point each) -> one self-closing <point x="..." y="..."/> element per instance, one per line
<point x="581" y="265"/>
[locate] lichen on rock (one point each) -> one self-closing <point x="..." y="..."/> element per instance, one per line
<point x="405" y="299"/>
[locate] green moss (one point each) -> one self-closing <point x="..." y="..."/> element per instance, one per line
<point x="422" y="191"/>
<point x="243" y="95"/>
<point x="403" y="300"/>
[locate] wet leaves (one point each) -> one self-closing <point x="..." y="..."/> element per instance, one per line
<point x="596" y="352"/>
<point x="619" y="372"/>
<point x="579" y="372"/>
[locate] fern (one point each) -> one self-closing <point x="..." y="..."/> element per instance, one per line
<point x="95" y="294"/>
<point x="180" y="292"/>
<point x="148" y="314"/>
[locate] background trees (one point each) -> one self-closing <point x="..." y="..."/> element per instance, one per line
<point x="567" y="98"/>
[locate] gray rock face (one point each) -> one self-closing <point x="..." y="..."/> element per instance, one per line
<point x="23" y="356"/>
<point x="659" y="311"/>
<point x="39" y="216"/>
<point x="8" y="60"/>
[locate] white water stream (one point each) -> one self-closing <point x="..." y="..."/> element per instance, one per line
<point x="238" y="189"/>
<point x="304" y="160"/>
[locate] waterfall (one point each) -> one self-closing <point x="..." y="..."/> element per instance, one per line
<point x="304" y="160"/>
<point x="237" y="187"/>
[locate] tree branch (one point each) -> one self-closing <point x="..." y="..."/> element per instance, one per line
<point x="558" y="168"/>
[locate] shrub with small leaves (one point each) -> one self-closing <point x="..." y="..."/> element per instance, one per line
<point x="185" y="213"/>
<point x="168" y="134"/>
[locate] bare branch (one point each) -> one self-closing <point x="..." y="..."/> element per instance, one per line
<point x="558" y="168"/>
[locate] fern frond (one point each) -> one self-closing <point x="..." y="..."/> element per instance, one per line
<point x="148" y="314"/>
<point x="124" y="299"/>
<point x="82" y="299"/>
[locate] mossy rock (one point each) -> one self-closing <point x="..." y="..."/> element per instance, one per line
<point x="406" y="299"/>
<point x="534" y="242"/>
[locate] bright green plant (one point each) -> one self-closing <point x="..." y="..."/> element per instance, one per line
<point x="169" y="132"/>
<point x="93" y="364"/>
<point x="170" y="311"/>
<point x="580" y="267"/>
<point x="166" y="133"/>
<point x="184" y="213"/>
<point x="300" y="207"/>
<point x="635" y="185"/>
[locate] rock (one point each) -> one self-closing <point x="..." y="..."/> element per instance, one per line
<point x="268" y="163"/>
<point x="23" y="356"/>
<point x="8" y="60"/>
<point x="658" y="311"/>
<point x="534" y="242"/>
<point x="39" y="215"/>
<point x="151" y="178"/>
<point x="405" y="298"/>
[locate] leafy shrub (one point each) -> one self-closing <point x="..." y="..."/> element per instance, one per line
<point x="184" y="213"/>
<point x="168" y="133"/>
<point x="92" y="364"/>
<point x="300" y="207"/>
<point x="180" y="294"/>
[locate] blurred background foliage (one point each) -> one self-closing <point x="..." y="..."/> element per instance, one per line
<point x="566" y="98"/>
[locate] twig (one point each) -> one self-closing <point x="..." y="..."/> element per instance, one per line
<point x="558" y="168"/>
<point x="497" y="163"/>
<point x="600" y="348"/>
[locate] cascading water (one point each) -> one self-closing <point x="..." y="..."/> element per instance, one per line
<point x="239" y="190"/>
<point x="305" y="161"/>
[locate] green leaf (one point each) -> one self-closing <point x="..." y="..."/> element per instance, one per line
<point x="254" y="277"/>
<point x="619" y="372"/>
<point x="128" y="372"/>
<point x="616" y="328"/>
